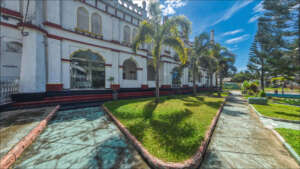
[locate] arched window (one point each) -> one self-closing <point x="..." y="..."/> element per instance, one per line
<point x="129" y="70"/>
<point x="87" y="70"/>
<point x="134" y="33"/>
<point x="96" y="24"/>
<point x="82" y="19"/>
<point x="126" y="34"/>
<point x="150" y="73"/>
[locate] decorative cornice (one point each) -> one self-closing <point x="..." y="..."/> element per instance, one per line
<point x="31" y="26"/>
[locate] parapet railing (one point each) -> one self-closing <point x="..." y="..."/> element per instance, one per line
<point x="8" y="85"/>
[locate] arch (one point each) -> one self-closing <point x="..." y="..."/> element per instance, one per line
<point x="82" y="19"/>
<point x="87" y="70"/>
<point x="96" y="24"/>
<point x="150" y="72"/>
<point x="126" y="35"/>
<point x="129" y="70"/>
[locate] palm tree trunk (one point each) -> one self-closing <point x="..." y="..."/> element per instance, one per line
<point x="210" y="80"/>
<point x="157" y="81"/>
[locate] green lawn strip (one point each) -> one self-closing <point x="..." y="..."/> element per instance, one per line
<point x="279" y="90"/>
<point x="286" y="101"/>
<point x="171" y="130"/>
<point x="292" y="137"/>
<point x="280" y="111"/>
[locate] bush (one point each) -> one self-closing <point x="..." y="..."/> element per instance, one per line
<point x="257" y="100"/>
<point x="262" y="94"/>
<point x="253" y="87"/>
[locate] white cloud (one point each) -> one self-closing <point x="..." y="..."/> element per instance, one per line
<point x="231" y="11"/>
<point x="237" y="39"/>
<point x="254" y="18"/>
<point x="258" y="8"/>
<point x="168" y="10"/>
<point x="169" y="6"/>
<point x="232" y="32"/>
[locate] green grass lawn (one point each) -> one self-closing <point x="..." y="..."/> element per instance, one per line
<point x="280" y="111"/>
<point x="269" y="89"/>
<point x="171" y="130"/>
<point x="292" y="137"/>
<point x="286" y="101"/>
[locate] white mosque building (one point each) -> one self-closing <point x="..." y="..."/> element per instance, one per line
<point x="54" y="45"/>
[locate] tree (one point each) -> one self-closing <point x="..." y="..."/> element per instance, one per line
<point x="243" y="76"/>
<point x="199" y="49"/>
<point x="171" y="33"/>
<point x="224" y="61"/>
<point x="259" y="53"/>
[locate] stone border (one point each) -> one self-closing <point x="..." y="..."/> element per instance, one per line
<point x="272" y="118"/>
<point x="156" y="163"/>
<point x="26" y="141"/>
<point x="287" y="146"/>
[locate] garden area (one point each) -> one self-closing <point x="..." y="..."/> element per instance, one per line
<point x="292" y="137"/>
<point x="173" y="129"/>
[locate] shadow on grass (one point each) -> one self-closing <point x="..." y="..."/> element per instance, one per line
<point x="172" y="131"/>
<point x="288" y="114"/>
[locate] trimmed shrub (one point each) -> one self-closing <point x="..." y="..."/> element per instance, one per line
<point x="257" y="100"/>
<point x="262" y="94"/>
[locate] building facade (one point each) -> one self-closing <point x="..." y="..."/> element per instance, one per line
<point x="80" y="44"/>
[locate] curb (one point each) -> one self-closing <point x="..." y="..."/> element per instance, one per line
<point x="26" y="141"/>
<point x="272" y="118"/>
<point x="156" y="163"/>
<point x="278" y="136"/>
<point x="287" y="146"/>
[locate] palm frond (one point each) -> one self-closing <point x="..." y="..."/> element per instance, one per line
<point x="177" y="44"/>
<point x="177" y="24"/>
<point x="145" y="34"/>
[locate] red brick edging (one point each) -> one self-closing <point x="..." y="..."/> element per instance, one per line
<point x="156" y="163"/>
<point x="18" y="149"/>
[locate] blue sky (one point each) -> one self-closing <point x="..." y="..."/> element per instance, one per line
<point x="234" y="22"/>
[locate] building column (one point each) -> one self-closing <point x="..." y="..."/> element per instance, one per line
<point x="33" y="67"/>
<point x="54" y="78"/>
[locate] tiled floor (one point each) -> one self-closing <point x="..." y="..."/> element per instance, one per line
<point x="81" y="138"/>
<point x="241" y="141"/>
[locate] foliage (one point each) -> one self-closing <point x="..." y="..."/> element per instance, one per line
<point x="253" y="87"/>
<point x="280" y="111"/>
<point x="111" y="79"/>
<point x="261" y="94"/>
<point x="257" y="100"/>
<point x="172" y="129"/>
<point x="292" y="137"/>
<point x="289" y="101"/>
<point x="242" y="76"/>
<point x="224" y="61"/>
<point x="171" y="33"/>
<point x="231" y="85"/>
<point x="198" y="50"/>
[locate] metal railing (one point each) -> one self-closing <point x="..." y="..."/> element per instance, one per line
<point x="8" y="86"/>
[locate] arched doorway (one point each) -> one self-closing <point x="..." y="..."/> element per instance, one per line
<point x="87" y="70"/>
<point x="176" y="78"/>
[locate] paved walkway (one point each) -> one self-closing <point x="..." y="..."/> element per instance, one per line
<point x="14" y="125"/>
<point x="241" y="141"/>
<point x="81" y="138"/>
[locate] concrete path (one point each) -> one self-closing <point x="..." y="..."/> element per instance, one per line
<point x="241" y="141"/>
<point x="81" y="138"/>
<point x="14" y="125"/>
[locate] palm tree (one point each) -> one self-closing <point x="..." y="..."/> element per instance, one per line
<point x="198" y="50"/>
<point x="170" y="34"/>
<point x="224" y="61"/>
